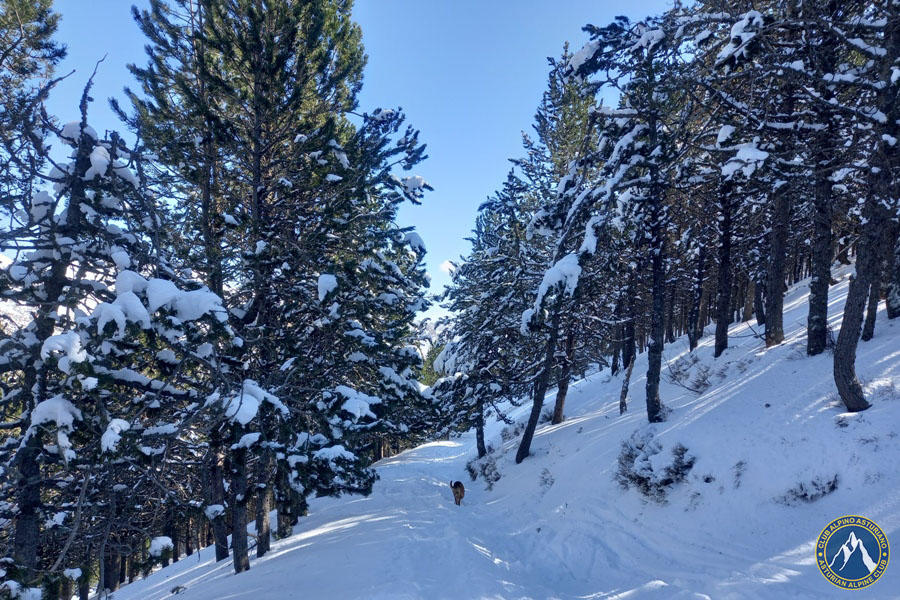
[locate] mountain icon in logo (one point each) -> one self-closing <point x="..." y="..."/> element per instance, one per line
<point x="853" y="551"/>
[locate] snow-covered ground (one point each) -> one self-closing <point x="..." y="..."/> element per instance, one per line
<point x="559" y="526"/>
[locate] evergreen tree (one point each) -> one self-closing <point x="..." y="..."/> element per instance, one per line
<point x="119" y="353"/>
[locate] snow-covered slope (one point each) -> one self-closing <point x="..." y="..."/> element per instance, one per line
<point x="767" y="435"/>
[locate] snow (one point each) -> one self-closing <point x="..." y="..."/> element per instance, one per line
<point x="167" y="356"/>
<point x="126" y="308"/>
<point x="19" y="592"/>
<point x="583" y="55"/>
<point x="332" y="178"/>
<point x="68" y="343"/>
<point x="414" y="182"/>
<point x="327" y="284"/>
<point x="99" y="158"/>
<point x="747" y="160"/>
<point x="564" y="273"/>
<point x="356" y="403"/>
<point x="246" y="441"/>
<point x="72" y="573"/>
<point x="333" y="452"/>
<point x="559" y="526"/>
<point x="742" y="32"/>
<point x="213" y="510"/>
<point x="109" y="441"/>
<point x="160" y="544"/>
<point x="243" y="406"/>
<point x="56" y="410"/>
<point x="188" y="306"/>
<point x="121" y="258"/>
<point x="415" y="241"/>
<point x="41" y="203"/>
<point x="71" y="132"/>
<point x="724" y="133"/>
<point x="63" y="413"/>
<point x="129" y="281"/>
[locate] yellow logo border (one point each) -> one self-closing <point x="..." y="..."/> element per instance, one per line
<point x="884" y="552"/>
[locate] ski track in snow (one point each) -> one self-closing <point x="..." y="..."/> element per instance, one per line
<point x="733" y="536"/>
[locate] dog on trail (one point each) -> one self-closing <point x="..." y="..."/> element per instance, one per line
<point x="458" y="491"/>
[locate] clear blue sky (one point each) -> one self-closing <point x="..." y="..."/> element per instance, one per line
<point x="468" y="73"/>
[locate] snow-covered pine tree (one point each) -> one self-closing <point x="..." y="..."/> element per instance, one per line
<point x="119" y="354"/>
<point x="487" y="360"/>
<point x="296" y="203"/>
<point x="27" y="58"/>
<point x="641" y="61"/>
<point x="561" y="120"/>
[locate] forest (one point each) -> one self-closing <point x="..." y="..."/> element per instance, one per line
<point x="207" y="327"/>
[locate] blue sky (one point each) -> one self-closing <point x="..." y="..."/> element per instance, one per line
<point x="469" y="74"/>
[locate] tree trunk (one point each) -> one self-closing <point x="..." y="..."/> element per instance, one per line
<point x="670" y="316"/>
<point x="263" y="525"/>
<point x="28" y="501"/>
<point x="215" y="492"/>
<point x="658" y="295"/>
<point x="565" y="373"/>
<point x="628" y="343"/>
<point x="173" y="531"/>
<point x="892" y="302"/>
<point x="623" y="397"/>
<point x="263" y="505"/>
<point x="239" y="544"/>
<point x="817" y="321"/>
<point x="758" y="308"/>
<point x="868" y="254"/>
<point x="845" y="378"/>
<point x="111" y="570"/>
<point x="378" y="448"/>
<point x="749" y="291"/>
<point x="540" y="389"/>
<point x="479" y="429"/>
<point x="84" y="584"/>
<point x="285" y="501"/>
<point x="781" y="213"/>
<point x="703" y="317"/>
<point x="823" y="158"/>
<point x="189" y="537"/>
<point x="616" y="348"/>
<point x="65" y="589"/>
<point x="723" y="288"/>
<point x="868" y="330"/>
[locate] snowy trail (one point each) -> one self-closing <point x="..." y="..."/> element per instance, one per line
<point x="559" y="526"/>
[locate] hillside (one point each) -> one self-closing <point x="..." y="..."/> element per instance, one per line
<point x="767" y="435"/>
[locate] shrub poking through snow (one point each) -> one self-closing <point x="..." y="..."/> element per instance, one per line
<point x="511" y="432"/>
<point x="486" y="467"/>
<point x="809" y="491"/>
<point x="642" y="466"/>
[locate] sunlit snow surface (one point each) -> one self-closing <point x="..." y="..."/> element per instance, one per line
<point x="727" y="532"/>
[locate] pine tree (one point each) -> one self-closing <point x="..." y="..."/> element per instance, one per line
<point x="296" y="208"/>
<point x="94" y="370"/>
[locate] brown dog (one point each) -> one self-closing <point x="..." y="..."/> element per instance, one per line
<point x="458" y="491"/>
